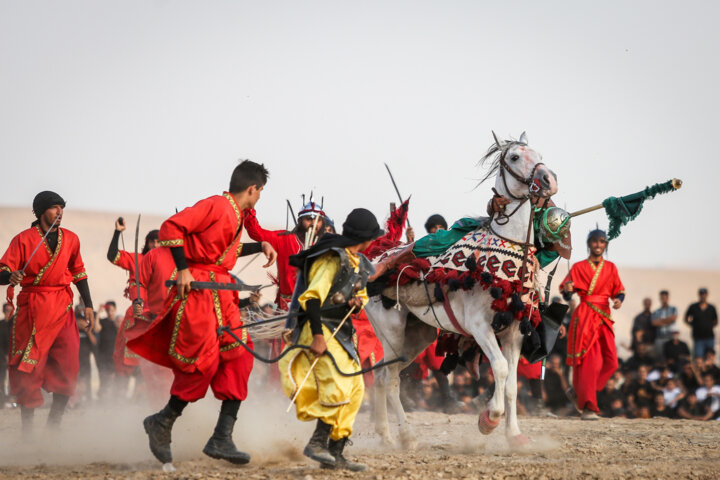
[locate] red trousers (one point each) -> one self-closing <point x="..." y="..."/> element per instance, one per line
<point x="55" y="372"/>
<point x="228" y="380"/>
<point x="597" y="366"/>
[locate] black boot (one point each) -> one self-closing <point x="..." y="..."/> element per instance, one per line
<point x="27" y="417"/>
<point x="57" y="410"/>
<point x="159" y="428"/>
<point x="336" y="449"/>
<point x="221" y="443"/>
<point x="317" y="447"/>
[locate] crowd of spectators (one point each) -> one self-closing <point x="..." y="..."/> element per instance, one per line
<point x="662" y="377"/>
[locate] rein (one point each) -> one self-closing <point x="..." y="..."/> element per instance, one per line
<point x="307" y="347"/>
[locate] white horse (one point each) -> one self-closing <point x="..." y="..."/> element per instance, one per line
<point x="519" y="173"/>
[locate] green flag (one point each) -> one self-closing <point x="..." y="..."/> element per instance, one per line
<point x="621" y="210"/>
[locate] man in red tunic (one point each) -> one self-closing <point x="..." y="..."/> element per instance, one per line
<point x="44" y="338"/>
<point x="204" y="241"/>
<point x="157" y="266"/>
<point x="287" y="243"/>
<point x="126" y="361"/>
<point x="591" y="341"/>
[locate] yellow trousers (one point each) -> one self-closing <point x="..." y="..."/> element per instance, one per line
<point x="326" y="395"/>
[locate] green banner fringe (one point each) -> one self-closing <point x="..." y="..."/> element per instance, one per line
<point x="621" y="210"/>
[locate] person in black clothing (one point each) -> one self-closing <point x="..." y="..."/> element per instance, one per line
<point x="642" y="328"/>
<point x="702" y="317"/>
<point x="688" y="377"/>
<point x="710" y="366"/>
<point x="88" y="346"/>
<point x="105" y="349"/>
<point x="4" y="347"/>
<point x="659" y="409"/>
<point x="691" y="409"/>
<point x="675" y="350"/>
<point x="555" y="385"/>
<point x="608" y="397"/>
<point x="642" y="356"/>
<point x="641" y="389"/>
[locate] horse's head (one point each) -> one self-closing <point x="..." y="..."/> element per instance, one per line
<point x="519" y="169"/>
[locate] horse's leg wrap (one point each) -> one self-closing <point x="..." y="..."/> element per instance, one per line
<point x="486" y="424"/>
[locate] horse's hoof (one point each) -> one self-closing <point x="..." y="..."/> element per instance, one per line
<point x="486" y="424"/>
<point x="518" y="441"/>
<point x="408" y="440"/>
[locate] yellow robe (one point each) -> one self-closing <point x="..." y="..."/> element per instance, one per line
<point x="326" y="395"/>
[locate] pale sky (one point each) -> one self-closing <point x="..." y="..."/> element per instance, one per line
<point x="144" y="106"/>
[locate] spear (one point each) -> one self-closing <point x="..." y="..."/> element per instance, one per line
<point x="621" y="210"/>
<point x="392" y="179"/>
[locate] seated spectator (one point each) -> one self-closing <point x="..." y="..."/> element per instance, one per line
<point x="659" y="376"/>
<point x="710" y="366"/>
<point x="691" y="409"/>
<point x="672" y="393"/>
<point x="643" y="356"/>
<point x="709" y="394"/>
<point x="607" y="397"/>
<point x="641" y="389"/>
<point x="689" y="378"/>
<point x="659" y="408"/>
<point x="555" y="385"/>
<point x="675" y="350"/>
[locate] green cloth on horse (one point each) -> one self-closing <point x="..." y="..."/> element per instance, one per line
<point x="437" y="243"/>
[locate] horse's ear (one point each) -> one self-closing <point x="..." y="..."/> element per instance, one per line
<point x="523" y="138"/>
<point x="497" y="142"/>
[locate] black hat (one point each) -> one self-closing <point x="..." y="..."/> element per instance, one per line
<point x="597" y="233"/>
<point x="435" y="220"/>
<point x="361" y="226"/>
<point x="45" y="200"/>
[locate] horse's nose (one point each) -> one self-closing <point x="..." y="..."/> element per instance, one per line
<point x="546" y="180"/>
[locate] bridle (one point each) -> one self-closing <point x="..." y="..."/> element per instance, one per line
<point x="533" y="189"/>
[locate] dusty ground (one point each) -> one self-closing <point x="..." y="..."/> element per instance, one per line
<point x="109" y="444"/>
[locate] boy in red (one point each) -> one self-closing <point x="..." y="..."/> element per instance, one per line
<point x="591" y="347"/>
<point x="126" y="361"/>
<point x="44" y="341"/>
<point x="204" y="241"/>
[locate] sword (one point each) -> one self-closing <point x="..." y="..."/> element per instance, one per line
<point x="291" y="212"/>
<point x="38" y="245"/>
<point x="392" y="179"/>
<point x="218" y="286"/>
<point x="138" y="300"/>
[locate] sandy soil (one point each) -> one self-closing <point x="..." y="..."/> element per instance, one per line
<point x="109" y="444"/>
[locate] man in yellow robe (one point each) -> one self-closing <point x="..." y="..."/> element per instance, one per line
<point x="333" y="275"/>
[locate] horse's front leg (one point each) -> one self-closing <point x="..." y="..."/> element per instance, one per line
<point x="485" y="337"/>
<point x="382" y="427"/>
<point x="512" y="343"/>
<point x="407" y="436"/>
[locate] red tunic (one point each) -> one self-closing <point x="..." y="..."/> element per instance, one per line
<point x="285" y="244"/>
<point x="595" y="285"/>
<point x="184" y="337"/>
<point x="369" y="347"/>
<point x="124" y="360"/>
<point x="157" y="267"/>
<point x="45" y="299"/>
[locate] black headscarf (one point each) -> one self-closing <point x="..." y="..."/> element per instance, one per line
<point x="45" y="200"/>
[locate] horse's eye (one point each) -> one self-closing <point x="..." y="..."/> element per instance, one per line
<point x="515" y="157"/>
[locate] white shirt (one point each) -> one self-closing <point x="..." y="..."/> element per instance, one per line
<point x="702" y="393"/>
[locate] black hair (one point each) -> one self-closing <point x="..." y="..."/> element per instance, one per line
<point x="111" y="303"/>
<point x="5" y="305"/>
<point x="435" y="220"/>
<point x="247" y="174"/>
<point x="152" y="235"/>
<point x="664" y="292"/>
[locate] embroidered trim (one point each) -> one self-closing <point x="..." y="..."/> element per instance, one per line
<point x="173" y="276"/>
<point x="5" y="268"/>
<point x="597" y="269"/>
<point x="599" y="311"/>
<point x="176" y="330"/>
<point x="239" y="250"/>
<point x="52" y="257"/>
<point x="372" y="359"/>
<point x="239" y="231"/>
<point x="42" y="236"/>
<point x="28" y="347"/>
<point x="216" y="301"/>
<point x="117" y="258"/>
<point x="79" y="276"/>
<point x="171" y="243"/>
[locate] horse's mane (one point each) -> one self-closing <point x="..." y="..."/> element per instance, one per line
<point x="491" y="159"/>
